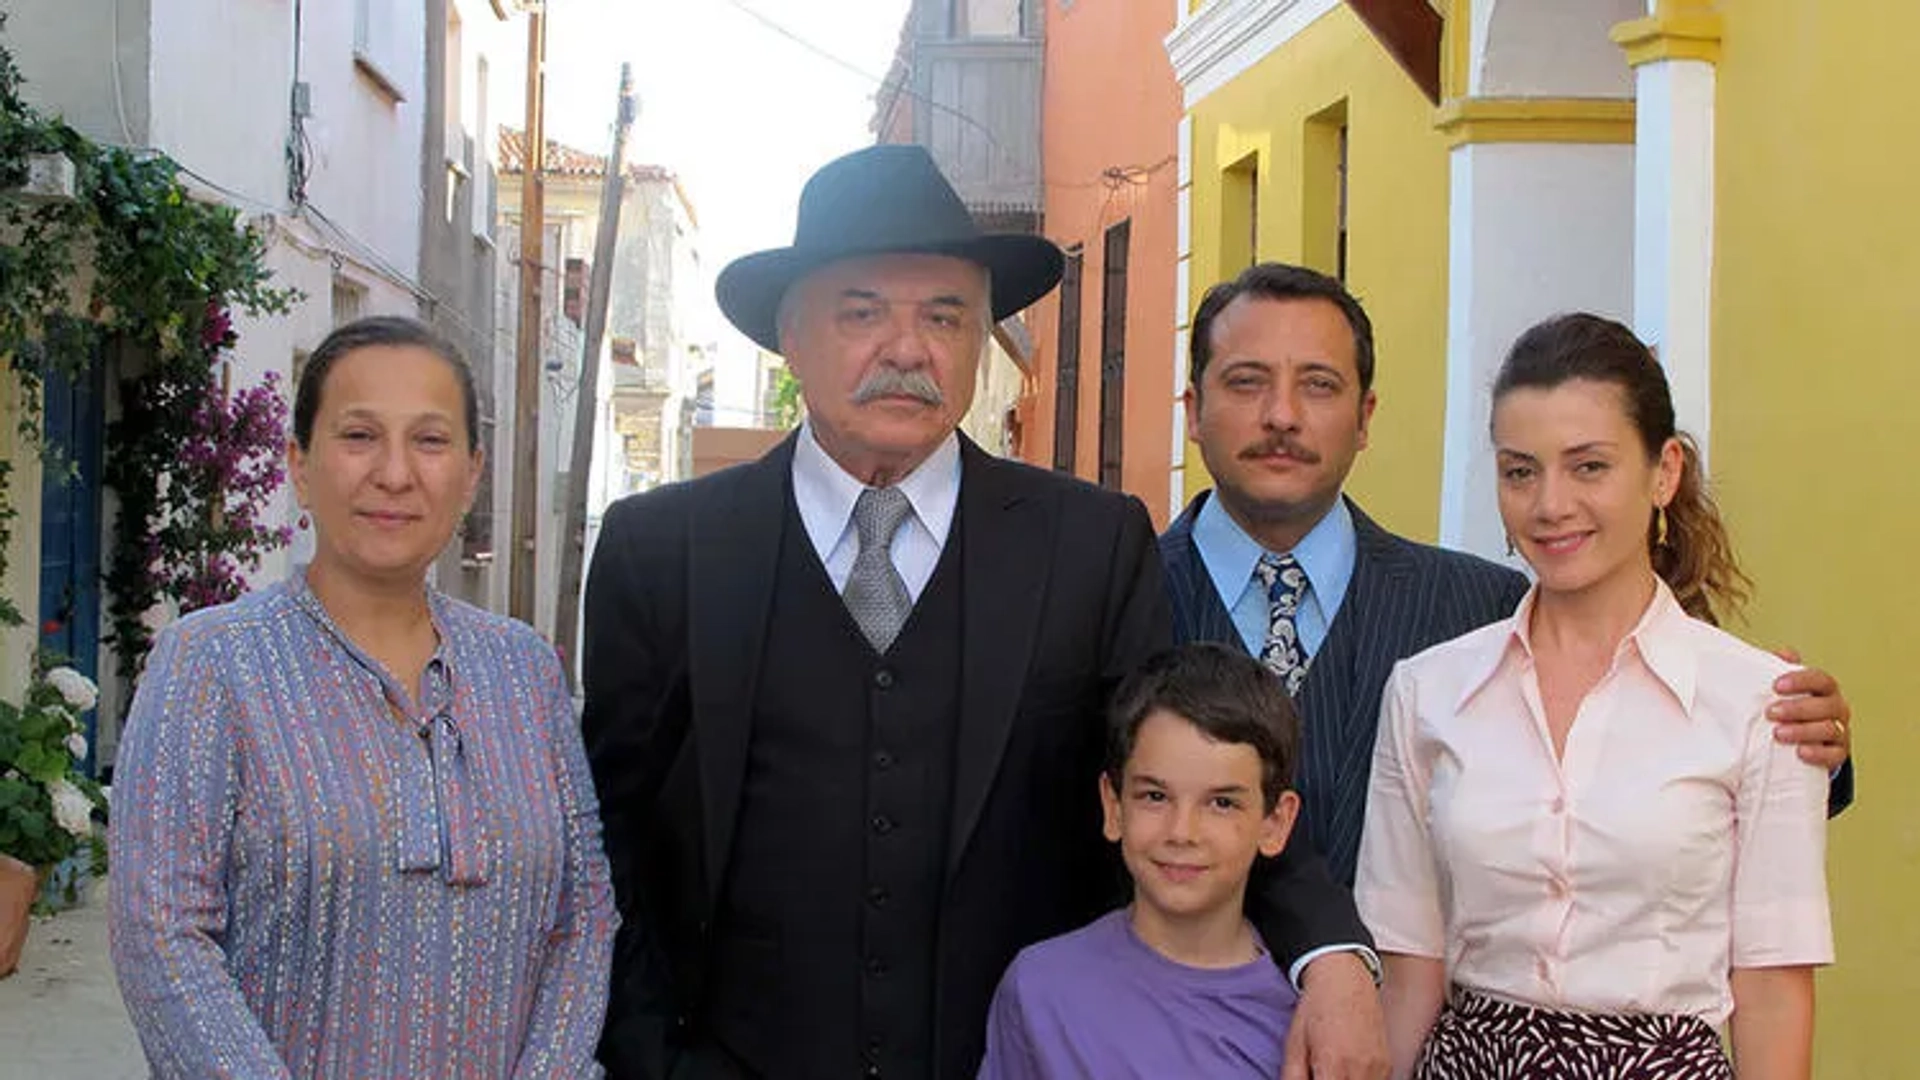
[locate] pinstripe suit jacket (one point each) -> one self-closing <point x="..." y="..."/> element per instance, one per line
<point x="1403" y="598"/>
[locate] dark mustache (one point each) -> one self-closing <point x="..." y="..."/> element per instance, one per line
<point x="1281" y="444"/>
<point x="894" y="382"/>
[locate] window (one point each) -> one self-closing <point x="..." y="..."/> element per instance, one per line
<point x="455" y="177"/>
<point x="1324" y="191"/>
<point x="347" y="301"/>
<point x="453" y="69"/>
<point x="573" y="297"/>
<point x="1066" y="389"/>
<point x="1340" y="257"/>
<point x="1113" y="353"/>
<point x="1240" y="215"/>
<point x="484" y="190"/>
<point x="376" y="45"/>
<point x="992" y="18"/>
<point x="703" y="399"/>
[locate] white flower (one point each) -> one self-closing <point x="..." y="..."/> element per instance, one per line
<point x="77" y="745"/>
<point x="78" y="690"/>
<point x="71" y="807"/>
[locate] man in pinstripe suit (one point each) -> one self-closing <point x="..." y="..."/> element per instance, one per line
<point x="1277" y="561"/>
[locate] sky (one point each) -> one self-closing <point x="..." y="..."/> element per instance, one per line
<point x="741" y="112"/>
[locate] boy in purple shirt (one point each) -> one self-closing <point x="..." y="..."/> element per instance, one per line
<point x="1202" y="741"/>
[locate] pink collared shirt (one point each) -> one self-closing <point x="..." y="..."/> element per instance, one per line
<point x="1676" y="839"/>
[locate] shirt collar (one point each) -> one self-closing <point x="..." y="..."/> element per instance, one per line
<point x="825" y="492"/>
<point x="1326" y="554"/>
<point x="1660" y="639"/>
<point x="439" y="610"/>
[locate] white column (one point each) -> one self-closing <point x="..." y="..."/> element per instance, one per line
<point x="1673" y="229"/>
<point x="1536" y="228"/>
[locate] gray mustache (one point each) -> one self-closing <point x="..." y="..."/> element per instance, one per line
<point x="892" y="382"/>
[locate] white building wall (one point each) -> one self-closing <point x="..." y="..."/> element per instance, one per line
<point x="221" y="81"/>
<point x="86" y="60"/>
<point x="740" y="375"/>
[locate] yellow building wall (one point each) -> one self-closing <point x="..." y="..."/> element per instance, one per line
<point x="1282" y="117"/>
<point x="1816" y="436"/>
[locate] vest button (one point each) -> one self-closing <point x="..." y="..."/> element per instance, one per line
<point x="883" y="679"/>
<point x="882" y="824"/>
<point x="878" y="896"/>
<point x="876" y="967"/>
<point x="882" y="760"/>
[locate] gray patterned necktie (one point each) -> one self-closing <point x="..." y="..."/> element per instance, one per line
<point x="875" y="596"/>
<point x="1286" y="585"/>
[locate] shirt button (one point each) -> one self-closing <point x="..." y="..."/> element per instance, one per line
<point x="1558" y="805"/>
<point x="882" y="824"/>
<point x="873" y="1071"/>
<point x="878" y="896"/>
<point x="882" y="760"/>
<point x="883" y="679"/>
<point x="1557" y="889"/>
<point x="1542" y="968"/>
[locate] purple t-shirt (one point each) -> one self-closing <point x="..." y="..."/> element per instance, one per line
<point x="1100" y="1003"/>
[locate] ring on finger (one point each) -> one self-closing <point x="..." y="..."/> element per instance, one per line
<point x="1839" y="730"/>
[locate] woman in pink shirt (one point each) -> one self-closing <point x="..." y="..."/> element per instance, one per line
<point x="1584" y="850"/>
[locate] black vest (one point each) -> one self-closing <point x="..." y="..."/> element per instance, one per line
<point x="823" y="951"/>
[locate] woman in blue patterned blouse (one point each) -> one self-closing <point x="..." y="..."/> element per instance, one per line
<point x="353" y="829"/>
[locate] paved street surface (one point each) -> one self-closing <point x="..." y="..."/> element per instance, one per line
<point x="60" y="1013"/>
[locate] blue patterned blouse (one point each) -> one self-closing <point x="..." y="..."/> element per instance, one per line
<point x="314" y="876"/>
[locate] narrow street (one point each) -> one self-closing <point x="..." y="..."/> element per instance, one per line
<point x="60" y="1013"/>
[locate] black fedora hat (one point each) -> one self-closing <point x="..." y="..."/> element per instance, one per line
<point x="881" y="200"/>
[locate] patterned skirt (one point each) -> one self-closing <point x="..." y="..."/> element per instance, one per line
<point x="1479" y="1038"/>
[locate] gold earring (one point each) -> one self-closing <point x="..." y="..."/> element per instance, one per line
<point x="1659" y="526"/>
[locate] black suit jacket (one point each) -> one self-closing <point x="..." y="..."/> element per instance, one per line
<point x="1061" y="597"/>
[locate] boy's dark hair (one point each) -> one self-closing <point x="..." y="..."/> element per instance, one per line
<point x="1231" y="697"/>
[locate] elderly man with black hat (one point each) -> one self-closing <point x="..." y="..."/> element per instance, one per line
<point x="844" y="703"/>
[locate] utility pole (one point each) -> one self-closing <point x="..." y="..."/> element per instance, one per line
<point x="613" y="188"/>
<point x="526" y="375"/>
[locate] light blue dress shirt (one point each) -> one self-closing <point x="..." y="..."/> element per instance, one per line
<point x="825" y="493"/>
<point x="1326" y="554"/>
